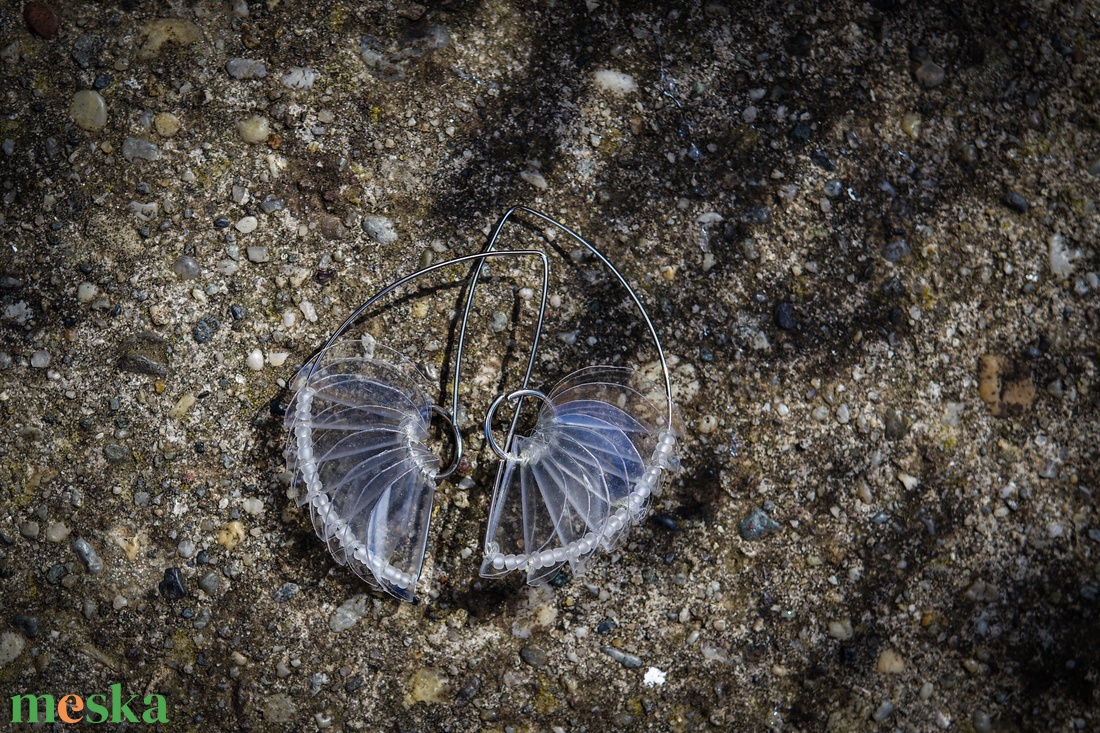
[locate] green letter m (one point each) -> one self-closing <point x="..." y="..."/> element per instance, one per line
<point x="32" y="708"/>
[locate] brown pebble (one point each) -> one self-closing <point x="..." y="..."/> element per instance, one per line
<point x="41" y="18"/>
<point x="1005" y="387"/>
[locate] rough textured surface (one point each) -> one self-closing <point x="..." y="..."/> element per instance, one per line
<point x="829" y="241"/>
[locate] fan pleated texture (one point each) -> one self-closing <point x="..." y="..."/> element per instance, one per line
<point x="362" y="465"/>
<point x="591" y="444"/>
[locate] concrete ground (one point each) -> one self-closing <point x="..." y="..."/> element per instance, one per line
<point x="867" y="232"/>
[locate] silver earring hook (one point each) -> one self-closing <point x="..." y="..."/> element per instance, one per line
<point x="474" y="277"/>
<point x="479" y="257"/>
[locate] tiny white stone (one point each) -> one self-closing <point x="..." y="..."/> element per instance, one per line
<point x="289" y="319"/>
<point x="247" y="224"/>
<point x="299" y="77"/>
<point x="255" y="360"/>
<point x="615" y="82"/>
<point x="277" y="358"/>
<point x="654" y="677"/>
<point x="308" y="311"/>
<point x="86" y="292"/>
<point x="535" y="178"/>
<point x="909" y="482"/>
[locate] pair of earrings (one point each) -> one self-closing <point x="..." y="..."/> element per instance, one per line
<point x="358" y="429"/>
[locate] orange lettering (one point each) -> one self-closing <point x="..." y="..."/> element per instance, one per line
<point x="68" y="705"/>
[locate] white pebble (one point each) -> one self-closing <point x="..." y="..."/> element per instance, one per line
<point x="86" y="292"/>
<point x="289" y="319"/>
<point x="380" y="229"/>
<point x="247" y="224"/>
<point x="299" y="77"/>
<point x="308" y="311"/>
<point x="252" y="505"/>
<point x="535" y="178"/>
<point x="277" y="358"/>
<point x="615" y="82"/>
<point x="255" y="129"/>
<point x="40" y="359"/>
<point x="255" y="360"/>
<point x="258" y="254"/>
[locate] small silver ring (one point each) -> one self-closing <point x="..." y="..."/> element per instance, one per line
<point x="519" y="393"/>
<point x="457" y="438"/>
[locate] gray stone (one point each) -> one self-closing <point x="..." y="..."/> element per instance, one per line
<point x="87" y="555"/>
<point x="757" y="525"/>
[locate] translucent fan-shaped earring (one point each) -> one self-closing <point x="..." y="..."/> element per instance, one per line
<point x="358" y="429"/>
<point x="602" y="441"/>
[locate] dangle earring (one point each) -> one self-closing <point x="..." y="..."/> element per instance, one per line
<point x="358" y="429"/>
<point x="603" y="439"/>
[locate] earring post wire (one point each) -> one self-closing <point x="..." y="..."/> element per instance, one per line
<point x="476" y="274"/>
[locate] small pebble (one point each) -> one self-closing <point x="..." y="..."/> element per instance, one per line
<point x="247" y="224"/>
<point x="87" y="555"/>
<point x="1016" y="202"/>
<point x="86" y="292"/>
<point x="166" y="124"/>
<point x="533" y="656"/>
<point x="784" y="316"/>
<point x="172" y="586"/>
<point x="895" y="251"/>
<point x="929" y="74"/>
<point x="186" y="549"/>
<point x="271" y="205"/>
<point x="535" y="178"/>
<point x="911" y="124"/>
<point x="11" y="646"/>
<point x="841" y="629"/>
<point x="380" y="229"/>
<point x="115" y="453"/>
<point x="88" y="110"/>
<point x="298" y="77"/>
<point x="186" y="268"/>
<point x="210" y="583"/>
<point x="349" y="613"/>
<point x="26" y="624"/>
<point x="615" y="82"/>
<point x="757" y="525"/>
<point x="29" y="530"/>
<point x="255" y="360"/>
<point x="41" y="18"/>
<point x="630" y="661"/>
<point x="57" y="532"/>
<point x="258" y="255"/>
<point x="239" y="68"/>
<point x="286" y="592"/>
<point x="890" y="662"/>
<point x="254" y="130"/>
<point x="205" y="329"/>
<point x="884" y="711"/>
<point x="40" y="359"/>
<point x="136" y="148"/>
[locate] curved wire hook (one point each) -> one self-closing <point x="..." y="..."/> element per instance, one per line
<point x="489" y="248"/>
<point x="480" y="258"/>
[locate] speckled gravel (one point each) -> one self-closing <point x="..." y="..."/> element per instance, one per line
<point x="867" y="233"/>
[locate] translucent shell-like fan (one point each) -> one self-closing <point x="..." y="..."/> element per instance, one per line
<point x="357" y="429"/>
<point x="583" y="478"/>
